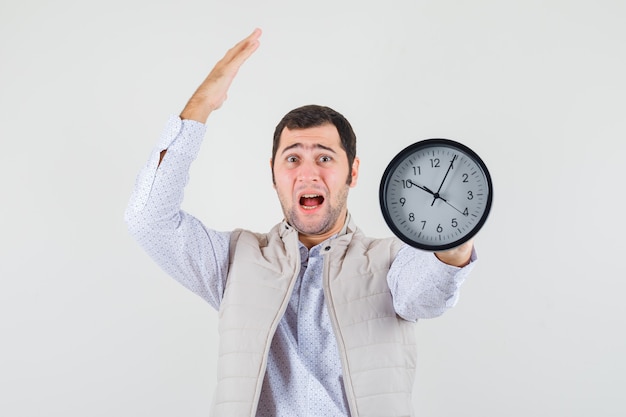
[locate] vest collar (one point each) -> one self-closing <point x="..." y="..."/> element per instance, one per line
<point x="340" y="239"/>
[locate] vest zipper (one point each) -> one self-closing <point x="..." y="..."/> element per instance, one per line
<point x="279" y="316"/>
<point x="347" y="381"/>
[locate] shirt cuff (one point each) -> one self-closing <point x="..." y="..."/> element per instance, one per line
<point x="182" y="136"/>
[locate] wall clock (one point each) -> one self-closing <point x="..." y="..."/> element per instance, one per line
<point x="436" y="194"/>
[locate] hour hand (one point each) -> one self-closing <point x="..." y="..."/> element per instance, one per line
<point x="421" y="187"/>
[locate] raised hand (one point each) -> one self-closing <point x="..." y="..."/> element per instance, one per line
<point x="213" y="91"/>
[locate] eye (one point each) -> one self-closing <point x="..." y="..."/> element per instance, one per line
<point x="325" y="158"/>
<point x="292" y="159"/>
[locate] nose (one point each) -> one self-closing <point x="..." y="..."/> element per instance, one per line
<point x="308" y="171"/>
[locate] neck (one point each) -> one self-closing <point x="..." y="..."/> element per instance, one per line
<point x="312" y="240"/>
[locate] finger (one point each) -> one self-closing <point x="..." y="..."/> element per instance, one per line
<point x="243" y="49"/>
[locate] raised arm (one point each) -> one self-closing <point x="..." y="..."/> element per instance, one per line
<point x="194" y="255"/>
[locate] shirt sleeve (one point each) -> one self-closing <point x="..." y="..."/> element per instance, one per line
<point x="422" y="286"/>
<point x="197" y="257"/>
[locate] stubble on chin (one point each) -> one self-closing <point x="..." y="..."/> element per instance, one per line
<point x="327" y="221"/>
<point x="309" y="228"/>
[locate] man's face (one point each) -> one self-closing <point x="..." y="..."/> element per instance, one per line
<point x="310" y="172"/>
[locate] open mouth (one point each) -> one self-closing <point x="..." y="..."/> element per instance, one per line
<point x="311" y="201"/>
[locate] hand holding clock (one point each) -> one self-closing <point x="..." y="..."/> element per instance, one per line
<point x="459" y="256"/>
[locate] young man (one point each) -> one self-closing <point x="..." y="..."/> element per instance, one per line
<point x="315" y="318"/>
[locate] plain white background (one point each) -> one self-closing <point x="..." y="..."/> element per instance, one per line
<point x="89" y="326"/>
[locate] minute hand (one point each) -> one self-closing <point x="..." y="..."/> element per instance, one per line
<point x="444" y="179"/>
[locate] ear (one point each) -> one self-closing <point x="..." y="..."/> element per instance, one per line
<point x="354" y="173"/>
<point x="272" y="170"/>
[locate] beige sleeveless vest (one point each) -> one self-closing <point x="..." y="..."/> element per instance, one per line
<point x="377" y="348"/>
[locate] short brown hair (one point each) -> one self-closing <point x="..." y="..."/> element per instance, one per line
<point x="313" y="115"/>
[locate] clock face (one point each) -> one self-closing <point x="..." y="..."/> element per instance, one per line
<point x="436" y="194"/>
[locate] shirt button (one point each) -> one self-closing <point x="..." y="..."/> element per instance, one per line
<point x="327" y="248"/>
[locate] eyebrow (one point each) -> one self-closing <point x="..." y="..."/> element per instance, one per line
<point x="315" y="146"/>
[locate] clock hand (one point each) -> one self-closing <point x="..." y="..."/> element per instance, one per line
<point x="421" y="187"/>
<point x="436" y="195"/>
<point x="444" y="180"/>
<point x="448" y="203"/>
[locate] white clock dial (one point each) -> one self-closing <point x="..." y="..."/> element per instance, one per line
<point x="436" y="194"/>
